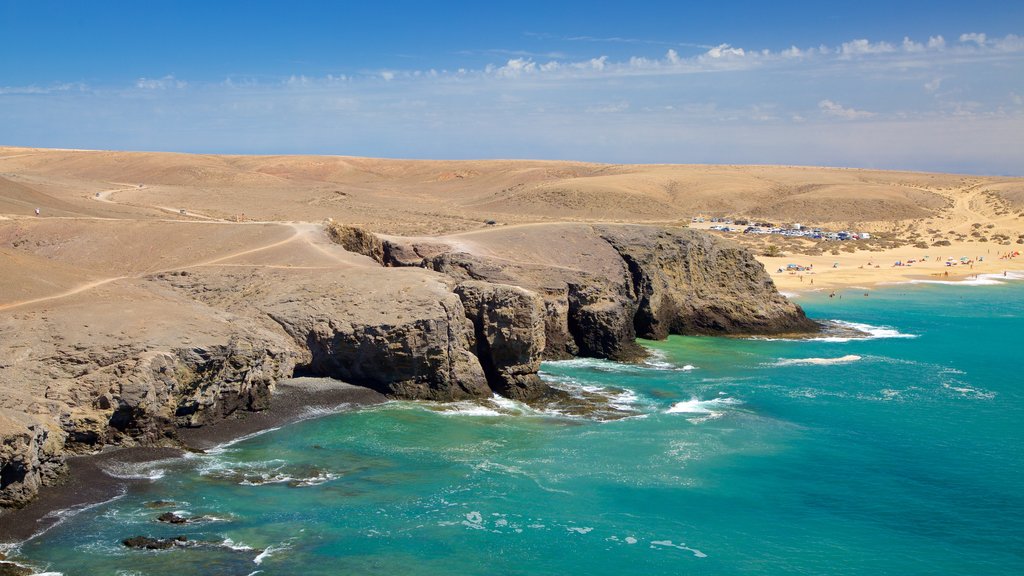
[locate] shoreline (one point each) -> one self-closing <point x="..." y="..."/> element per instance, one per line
<point x="866" y="269"/>
<point x="87" y="483"/>
<point x="980" y="279"/>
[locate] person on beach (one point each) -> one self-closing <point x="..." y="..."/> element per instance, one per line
<point x="37" y="211"/>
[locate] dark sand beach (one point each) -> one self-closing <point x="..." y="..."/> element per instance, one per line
<point x="87" y="481"/>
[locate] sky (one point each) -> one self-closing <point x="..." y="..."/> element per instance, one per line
<point x="935" y="86"/>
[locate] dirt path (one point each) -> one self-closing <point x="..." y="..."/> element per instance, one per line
<point x="299" y="233"/>
<point x="304" y="232"/>
<point x="76" y="290"/>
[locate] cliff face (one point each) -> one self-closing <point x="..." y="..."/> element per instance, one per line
<point x="30" y="456"/>
<point x="687" y="282"/>
<point x="439" y="319"/>
<point x="612" y="284"/>
<point x="508" y="334"/>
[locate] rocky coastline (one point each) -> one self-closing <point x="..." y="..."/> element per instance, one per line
<point x="432" y="319"/>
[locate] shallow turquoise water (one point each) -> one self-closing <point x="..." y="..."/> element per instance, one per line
<point x="905" y="456"/>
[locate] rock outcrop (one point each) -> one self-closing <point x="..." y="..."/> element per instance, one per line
<point x="422" y="354"/>
<point x="603" y="286"/>
<point x="31" y="455"/>
<point x="508" y="330"/>
<point x="445" y="318"/>
<point x="688" y="282"/>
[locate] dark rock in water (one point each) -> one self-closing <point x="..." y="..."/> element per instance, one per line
<point x="148" y="543"/>
<point x="12" y="569"/>
<point x="172" y="518"/>
<point x="159" y="504"/>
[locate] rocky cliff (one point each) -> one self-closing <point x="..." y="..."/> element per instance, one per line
<point x="602" y="286"/>
<point x="445" y="318"/>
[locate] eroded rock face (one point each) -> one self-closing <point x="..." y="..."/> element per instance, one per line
<point x="401" y="332"/>
<point x="616" y="282"/>
<point x="508" y="326"/>
<point x="30" y="456"/>
<point x="687" y="282"/>
<point x="425" y="357"/>
<point x="445" y="320"/>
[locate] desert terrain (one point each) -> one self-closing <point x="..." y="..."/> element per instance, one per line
<point x="170" y="210"/>
<point x="145" y="292"/>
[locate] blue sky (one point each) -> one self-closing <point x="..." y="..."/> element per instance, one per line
<point x="915" y="85"/>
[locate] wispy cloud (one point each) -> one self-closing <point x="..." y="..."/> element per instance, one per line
<point x="831" y="108"/>
<point x="51" y="89"/>
<point x="165" y="83"/>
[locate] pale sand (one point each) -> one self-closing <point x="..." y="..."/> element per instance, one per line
<point x="871" y="269"/>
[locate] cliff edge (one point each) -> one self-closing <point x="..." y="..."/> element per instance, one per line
<point x="436" y="318"/>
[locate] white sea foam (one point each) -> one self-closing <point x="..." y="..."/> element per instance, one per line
<point x="134" y="471"/>
<point x="659" y="361"/>
<point x="270" y="551"/>
<point x="817" y="361"/>
<point x="63" y="515"/>
<point x="579" y="530"/>
<point x="467" y="408"/>
<point x="979" y="280"/>
<point x="697" y="406"/>
<point x="220" y="448"/>
<point x="229" y="543"/>
<point x="680" y="546"/>
<point x="969" y="392"/>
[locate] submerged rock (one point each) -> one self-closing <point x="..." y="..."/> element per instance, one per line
<point x="149" y="543"/>
<point x="14" y="569"/>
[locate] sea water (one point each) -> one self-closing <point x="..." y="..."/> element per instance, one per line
<point x="901" y="452"/>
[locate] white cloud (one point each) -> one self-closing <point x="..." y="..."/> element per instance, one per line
<point x="911" y="46"/>
<point x="979" y="39"/>
<point x="657" y="107"/>
<point x="724" y="50"/>
<point x="53" y="88"/>
<point x="863" y="46"/>
<point x="831" y="108"/>
<point x="1009" y="43"/>
<point x="609" y="108"/>
<point x="165" y="83"/>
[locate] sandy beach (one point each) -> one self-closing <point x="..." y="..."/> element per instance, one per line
<point x="868" y="269"/>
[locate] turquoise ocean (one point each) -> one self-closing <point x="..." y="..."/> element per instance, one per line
<point x="897" y="453"/>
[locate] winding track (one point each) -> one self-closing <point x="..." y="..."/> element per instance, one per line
<point x="302" y="232"/>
